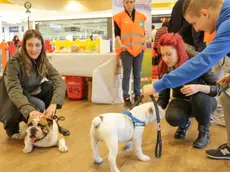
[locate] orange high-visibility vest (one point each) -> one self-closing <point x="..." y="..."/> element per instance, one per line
<point x="132" y="33"/>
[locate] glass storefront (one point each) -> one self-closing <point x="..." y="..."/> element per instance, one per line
<point x="73" y="29"/>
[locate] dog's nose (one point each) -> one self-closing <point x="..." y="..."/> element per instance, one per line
<point x="33" y="131"/>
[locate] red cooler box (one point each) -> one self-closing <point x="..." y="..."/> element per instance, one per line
<point x="75" y="87"/>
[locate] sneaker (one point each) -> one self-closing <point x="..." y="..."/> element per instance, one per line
<point x="11" y="129"/>
<point x="181" y="131"/>
<point x="222" y="152"/>
<point x="127" y="102"/>
<point x="136" y="98"/>
<point x="64" y="132"/>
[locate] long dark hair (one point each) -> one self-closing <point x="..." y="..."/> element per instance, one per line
<point x="40" y="61"/>
<point x="16" y="40"/>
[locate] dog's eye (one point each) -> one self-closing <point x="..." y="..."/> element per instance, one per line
<point x="30" y="124"/>
<point x="41" y="126"/>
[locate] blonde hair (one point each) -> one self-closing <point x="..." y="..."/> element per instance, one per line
<point x="193" y="7"/>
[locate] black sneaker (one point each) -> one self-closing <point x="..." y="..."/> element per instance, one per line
<point x="11" y="129"/>
<point x="181" y="131"/>
<point x="136" y="98"/>
<point x="222" y="152"/>
<point x="127" y="102"/>
<point x="63" y="131"/>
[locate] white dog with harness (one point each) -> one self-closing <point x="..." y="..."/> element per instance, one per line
<point x="117" y="127"/>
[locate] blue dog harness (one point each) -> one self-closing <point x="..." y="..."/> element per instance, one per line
<point x="136" y="122"/>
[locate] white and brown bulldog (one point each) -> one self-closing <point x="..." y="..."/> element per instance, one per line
<point x="41" y="132"/>
<point x="117" y="127"/>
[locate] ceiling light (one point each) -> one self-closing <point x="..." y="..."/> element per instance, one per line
<point x="72" y="5"/>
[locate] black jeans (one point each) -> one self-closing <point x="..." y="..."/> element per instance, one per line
<point x="199" y="106"/>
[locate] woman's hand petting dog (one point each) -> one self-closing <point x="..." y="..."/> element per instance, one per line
<point x="36" y="114"/>
<point x="50" y="112"/>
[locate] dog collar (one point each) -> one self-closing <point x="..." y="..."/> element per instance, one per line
<point x="136" y="122"/>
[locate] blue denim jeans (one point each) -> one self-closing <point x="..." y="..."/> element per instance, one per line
<point x="43" y="99"/>
<point x="130" y="62"/>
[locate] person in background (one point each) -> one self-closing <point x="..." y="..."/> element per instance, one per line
<point x="219" y="69"/>
<point x="193" y="39"/>
<point x="130" y="45"/>
<point x="155" y="54"/>
<point x="91" y="37"/>
<point x="154" y="30"/>
<point x="15" y="39"/>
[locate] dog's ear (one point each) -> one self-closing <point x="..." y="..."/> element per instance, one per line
<point x="44" y="113"/>
<point x="150" y="110"/>
<point x="29" y="120"/>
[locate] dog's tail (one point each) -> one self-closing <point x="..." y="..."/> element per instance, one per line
<point x="97" y="121"/>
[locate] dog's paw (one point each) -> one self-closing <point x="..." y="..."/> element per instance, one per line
<point x="63" y="148"/>
<point x="27" y="150"/>
<point x="18" y="136"/>
<point x="144" y="158"/>
<point x="98" y="160"/>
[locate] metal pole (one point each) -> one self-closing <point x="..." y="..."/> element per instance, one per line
<point x="28" y="22"/>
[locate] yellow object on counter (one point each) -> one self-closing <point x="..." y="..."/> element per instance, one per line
<point x="77" y="45"/>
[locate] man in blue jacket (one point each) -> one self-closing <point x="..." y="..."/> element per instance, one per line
<point x="208" y="16"/>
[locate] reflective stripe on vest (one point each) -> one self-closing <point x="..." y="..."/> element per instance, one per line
<point x="132" y="34"/>
<point x="130" y="44"/>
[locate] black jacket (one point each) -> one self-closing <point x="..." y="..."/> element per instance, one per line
<point x="178" y="24"/>
<point x="208" y="78"/>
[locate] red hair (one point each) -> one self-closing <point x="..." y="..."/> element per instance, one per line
<point x="175" y="41"/>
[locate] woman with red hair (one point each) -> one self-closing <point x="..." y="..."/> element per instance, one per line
<point x="193" y="99"/>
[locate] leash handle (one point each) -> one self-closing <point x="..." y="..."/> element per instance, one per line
<point x="57" y="119"/>
<point x="158" y="147"/>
